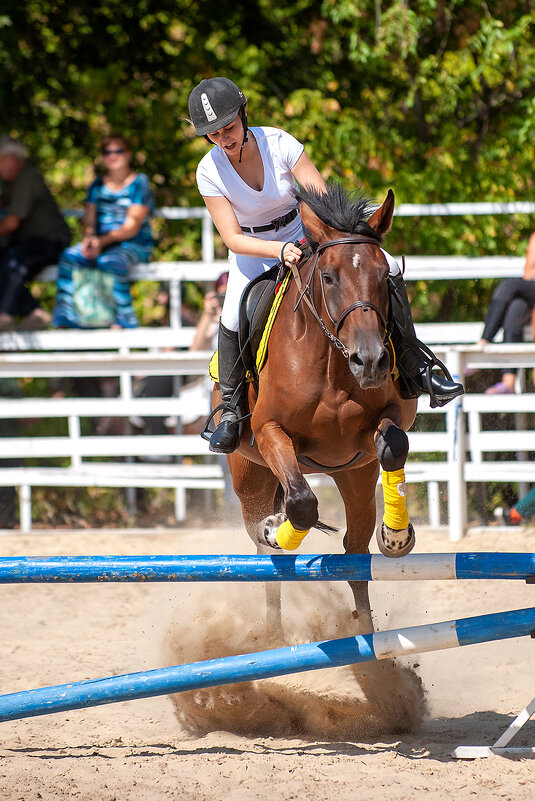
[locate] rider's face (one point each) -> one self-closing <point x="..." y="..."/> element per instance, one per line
<point x="230" y="137"/>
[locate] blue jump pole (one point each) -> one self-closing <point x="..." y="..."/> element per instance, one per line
<point x="287" y="567"/>
<point x="266" y="664"/>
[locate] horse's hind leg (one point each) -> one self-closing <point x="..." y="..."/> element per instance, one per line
<point x="357" y="488"/>
<point x="256" y="487"/>
<point x="394" y="689"/>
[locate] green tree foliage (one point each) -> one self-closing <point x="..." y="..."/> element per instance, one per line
<point x="434" y="98"/>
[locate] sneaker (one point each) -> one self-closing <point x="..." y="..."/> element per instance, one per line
<point x="37" y="320"/>
<point x="7" y="323"/>
<point x="499" y="389"/>
<point x="507" y="517"/>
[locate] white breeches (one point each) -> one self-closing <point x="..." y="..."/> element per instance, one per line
<point x="243" y="269"/>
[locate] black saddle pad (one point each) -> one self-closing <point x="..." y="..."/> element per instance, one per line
<point x="255" y="305"/>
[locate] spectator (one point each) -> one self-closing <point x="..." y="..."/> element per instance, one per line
<point x="511" y="308"/>
<point x="32" y="234"/>
<point x="198" y="391"/>
<point x="205" y="338"/>
<point x="93" y="290"/>
<point x="207" y="327"/>
<point x="521" y="512"/>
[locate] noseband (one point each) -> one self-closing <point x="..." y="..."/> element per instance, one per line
<point x="306" y="293"/>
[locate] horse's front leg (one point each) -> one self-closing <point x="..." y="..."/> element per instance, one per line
<point x="395" y="537"/>
<point x="300" y="503"/>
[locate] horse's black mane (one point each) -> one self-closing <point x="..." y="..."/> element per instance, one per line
<point x="346" y="212"/>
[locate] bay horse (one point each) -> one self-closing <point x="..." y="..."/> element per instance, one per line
<point x="327" y="401"/>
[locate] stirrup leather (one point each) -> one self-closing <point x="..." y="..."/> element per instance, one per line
<point x="206" y="432"/>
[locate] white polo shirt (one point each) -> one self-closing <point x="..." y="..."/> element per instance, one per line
<point x="216" y="177"/>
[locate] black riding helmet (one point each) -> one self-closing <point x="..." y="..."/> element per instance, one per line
<point x="214" y="103"/>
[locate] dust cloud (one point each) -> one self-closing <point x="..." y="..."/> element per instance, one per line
<point x="335" y="703"/>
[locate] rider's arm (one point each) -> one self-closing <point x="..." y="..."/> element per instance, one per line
<point x="227" y="224"/>
<point x="306" y="174"/>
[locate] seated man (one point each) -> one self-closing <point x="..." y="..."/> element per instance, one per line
<point x="32" y="232"/>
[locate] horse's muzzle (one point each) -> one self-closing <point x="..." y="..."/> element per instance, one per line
<point x="370" y="369"/>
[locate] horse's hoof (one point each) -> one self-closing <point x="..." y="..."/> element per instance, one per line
<point x="393" y="542"/>
<point x="267" y="530"/>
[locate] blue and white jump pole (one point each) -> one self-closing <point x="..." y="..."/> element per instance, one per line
<point x="287" y="567"/>
<point x="266" y="664"/>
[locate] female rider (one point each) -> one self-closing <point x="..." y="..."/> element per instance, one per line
<point x="247" y="182"/>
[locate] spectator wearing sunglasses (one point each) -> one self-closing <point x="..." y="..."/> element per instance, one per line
<point x="93" y="290"/>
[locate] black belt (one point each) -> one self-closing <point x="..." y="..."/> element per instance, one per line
<point x="274" y="225"/>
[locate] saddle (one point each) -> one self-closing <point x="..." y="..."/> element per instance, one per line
<point x="259" y="305"/>
<point x="256" y="305"/>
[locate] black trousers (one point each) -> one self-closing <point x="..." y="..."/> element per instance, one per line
<point x="510" y="309"/>
<point x="19" y="264"/>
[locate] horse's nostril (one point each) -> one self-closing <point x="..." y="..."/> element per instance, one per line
<point x="356" y="360"/>
<point x="384" y="362"/>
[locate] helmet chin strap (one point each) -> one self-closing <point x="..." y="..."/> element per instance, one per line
<point x="243" y="115"/>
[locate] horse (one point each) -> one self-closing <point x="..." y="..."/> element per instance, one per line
<point x="326" y="399"/>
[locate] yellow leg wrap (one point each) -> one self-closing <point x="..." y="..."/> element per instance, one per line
<point x="394" y="493"/>
<point x="289" y="537"/>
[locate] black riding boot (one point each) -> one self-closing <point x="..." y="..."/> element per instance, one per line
<point x="415" y="360"/>
<point x="226" y="437"/>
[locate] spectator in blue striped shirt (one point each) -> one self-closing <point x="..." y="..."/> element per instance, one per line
<point x="93" y="290"/>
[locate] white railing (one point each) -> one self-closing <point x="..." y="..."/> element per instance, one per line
<point x="462" y="446"/>
<point x="459" y="450"/>
<point x="403" y="210"/>
<point x="418" y="267"/>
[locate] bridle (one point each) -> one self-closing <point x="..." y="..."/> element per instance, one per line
<point x="306" y="293"/>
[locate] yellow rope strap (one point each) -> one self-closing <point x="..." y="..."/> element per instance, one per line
<point x="289" y="537"/>
<point x="395" y="492"/>
<point x="261" y="354"/>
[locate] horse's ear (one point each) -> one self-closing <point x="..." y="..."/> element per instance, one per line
<point x="317" y="229"/>
<point x="381" y="220"/>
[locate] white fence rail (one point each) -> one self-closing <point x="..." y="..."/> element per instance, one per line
<point x="418" y="268"/>
<point x="403" y="210"/>
<point x="459" y="452"/>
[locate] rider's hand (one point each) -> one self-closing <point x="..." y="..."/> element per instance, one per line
<point x="292" y="254"/>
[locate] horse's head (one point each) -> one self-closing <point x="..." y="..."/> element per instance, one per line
<point x="348" y="279"/>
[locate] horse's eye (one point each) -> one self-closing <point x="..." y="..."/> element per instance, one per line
<point x="327" y="279"/>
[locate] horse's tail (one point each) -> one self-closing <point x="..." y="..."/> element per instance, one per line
<point x="278" y="506"/>
<point x="326" y="528"/>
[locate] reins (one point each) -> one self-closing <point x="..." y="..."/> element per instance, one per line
<point x="306" y="294"/>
